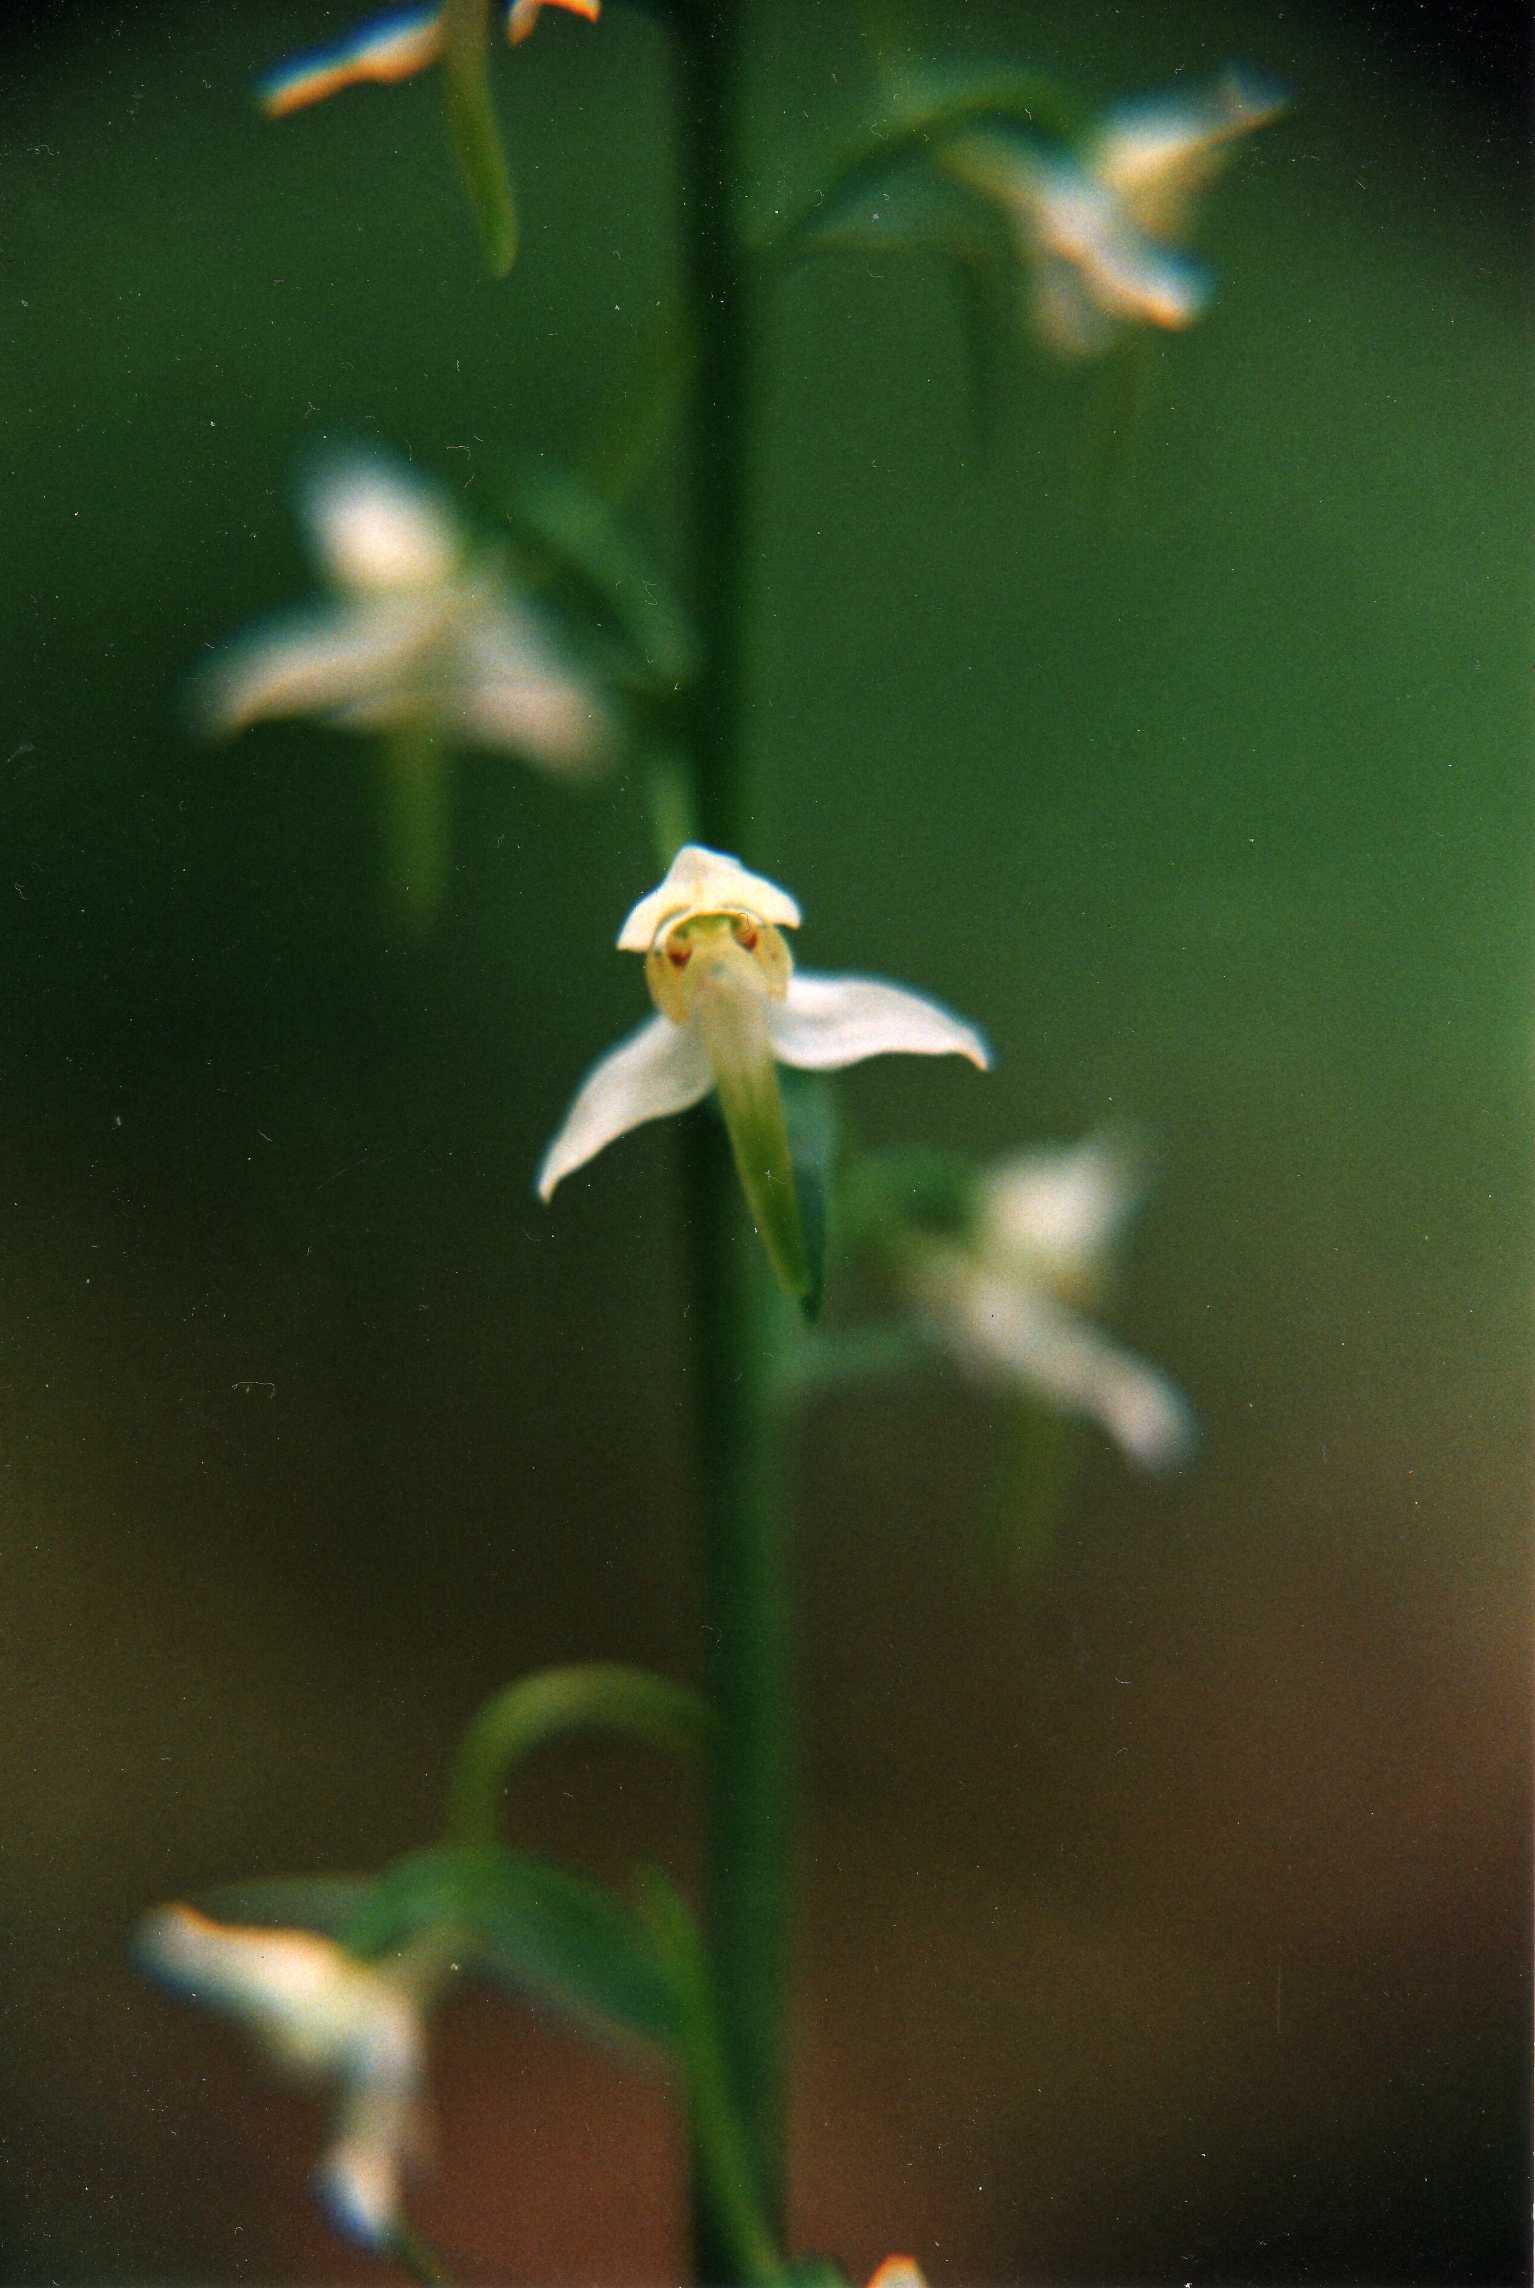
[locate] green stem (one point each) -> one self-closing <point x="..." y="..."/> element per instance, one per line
<point x="747" y="1609"/>
<point x="417" y="822"/>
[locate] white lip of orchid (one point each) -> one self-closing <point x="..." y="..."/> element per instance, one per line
<point x="318" y="2012"/>
<point x="728" y="996"/>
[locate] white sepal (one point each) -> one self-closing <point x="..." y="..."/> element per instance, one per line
<point x="315" y="663"/>
<point x="660" y="1069"/>
<point x="824" y="1023"/>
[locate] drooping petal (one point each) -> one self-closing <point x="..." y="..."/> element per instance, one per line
<point x="381" y="2129"/>
<point x="1023" y="1335"/>
<point x="660" y="1069"/>
<point x="378" y="530"/>
<point x="389" y="47"/>
<point x="827" y="1022"/>
<point x="516" y="693"/>
<point x="1158" y="153"/>
<point x="701" y="881"/>
<point x="311" y="664"/>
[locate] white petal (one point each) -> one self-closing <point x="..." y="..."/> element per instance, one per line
<point x="1023" y="1334"/>
<point x="662" y="1068"/>
<point x="701" y="881"/>
<point x="359" y="2181"/>
<point x="518" y="694"/>
<point x="381" y="2124"/>
<point x="333" y="660"/>
<point x="380" y="530"/>
<point x="827" y="1022"/>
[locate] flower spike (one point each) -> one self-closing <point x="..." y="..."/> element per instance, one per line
<point x="731" y="1007"/>
<point x="320" y="2013"/>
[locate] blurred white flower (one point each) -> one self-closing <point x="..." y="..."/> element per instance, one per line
<point x="422" y="634"/>
<point x="898" y="2272"/>
<point x="392" y="46"/>
<point x="1100" y="231"/>
<point x="1007" y="1298"/>
<point x="321" y="2014"/>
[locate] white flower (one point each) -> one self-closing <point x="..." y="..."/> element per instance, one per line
<point x="423" y="633"/>
<point x="1100" y="231"/>
<point x="393" y="46"/>
<point x="320" y="2013"/>
<point x="1004" y="1298"/>
<point x="729" y="1005"/>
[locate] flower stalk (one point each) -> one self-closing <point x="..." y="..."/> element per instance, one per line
<point x="746" y="1592"/>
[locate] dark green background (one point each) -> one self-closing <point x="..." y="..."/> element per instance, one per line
<point x="1164" y="1905"/>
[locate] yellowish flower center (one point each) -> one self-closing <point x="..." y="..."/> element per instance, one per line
<point x="733" y="950"/>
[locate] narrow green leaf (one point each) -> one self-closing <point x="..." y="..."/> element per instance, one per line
<point x="473" y="130"/>
<point x="530" y="1926"/>
<point x="599" y="1696"/>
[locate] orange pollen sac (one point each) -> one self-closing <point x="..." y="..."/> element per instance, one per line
<point x="745" y="932"/>
<point x="678" y="953"/>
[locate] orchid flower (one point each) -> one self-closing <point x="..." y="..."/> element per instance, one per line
<point x="319" y="2012"/>
<point x="730" y="1007"/>
<point x="898" y="2272"/>
<point x="422" y="632"/>
<point x="393" y="46"/>
<point x="1101" y="231"/>
<point x="1006" y="1296"/>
